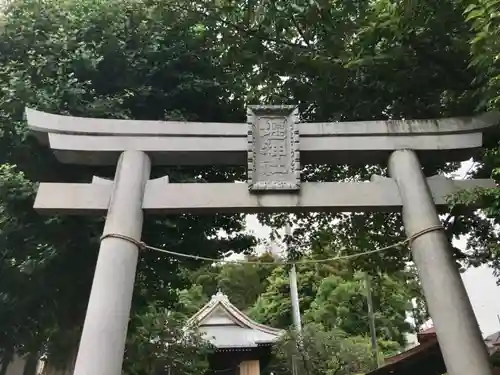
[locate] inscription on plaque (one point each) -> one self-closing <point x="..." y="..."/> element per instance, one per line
<point x="273" y="153"/>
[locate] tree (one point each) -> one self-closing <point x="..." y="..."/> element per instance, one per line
<point x="482" y="244"/>
<point x="360" y="60"/>
<point x="342" y="304"/>
<point x="242" y="282"/>
<point x="191" y="300"/>
<point x="333" y="293"/>
<point x="120" y="59"/>
<point x="169" y="59"/>
<point x="160" y="344"/>
<point x="353" y="60"/>
<point x="337" y="300"/>
<point x="273" y="306"/>
<point x="483" y="21"/>
<point x="320" y="351"/>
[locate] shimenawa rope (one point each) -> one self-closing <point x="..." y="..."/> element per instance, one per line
<point x="143" y="246"/>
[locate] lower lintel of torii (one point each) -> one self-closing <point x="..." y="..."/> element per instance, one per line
<point x="161" y="197"/>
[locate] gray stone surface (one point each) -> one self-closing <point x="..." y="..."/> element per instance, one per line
<point x="43" y="123"/>
<point x="100" y="141"/>
<point x="460" y="340"/>
<point x="355" y="150"/>
<point x="164" y="198"/>
<point x="16" y="366"/>
<point x="273" y="148"/>
<point x="105" y="329"/>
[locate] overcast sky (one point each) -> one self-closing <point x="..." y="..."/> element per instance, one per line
<point x="479" y="282"/>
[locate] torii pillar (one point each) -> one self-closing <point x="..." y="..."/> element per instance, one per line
<point x="105" y="329"/>
<point x="444" y="290"/>
<point x="273" y="145"/>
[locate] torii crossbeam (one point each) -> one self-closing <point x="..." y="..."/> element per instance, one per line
<point x="274" y="145"/>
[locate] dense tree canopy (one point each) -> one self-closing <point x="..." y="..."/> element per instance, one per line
<point x="482" y="18"/>
<point x="159" y="343"/>
<point x="320" y="351"/>
<point x="120" y="59"/>
<point x="205" y="60"/>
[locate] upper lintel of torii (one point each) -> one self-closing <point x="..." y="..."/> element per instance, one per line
<point x="100" y="141"/>
<point x="273" y="145"/>
<point x="226" y="327"/>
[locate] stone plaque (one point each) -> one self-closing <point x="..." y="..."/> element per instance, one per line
<point x="273" y="148"/>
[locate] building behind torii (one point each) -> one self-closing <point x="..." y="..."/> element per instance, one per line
<point x="242" y="346"/>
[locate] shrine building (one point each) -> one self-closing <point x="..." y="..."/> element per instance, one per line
<point x="243" y="346"/>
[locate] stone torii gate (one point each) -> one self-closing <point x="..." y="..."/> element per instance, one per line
<point x="274" y="145"/>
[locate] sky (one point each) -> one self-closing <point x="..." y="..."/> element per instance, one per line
<point x="480" y="283"/>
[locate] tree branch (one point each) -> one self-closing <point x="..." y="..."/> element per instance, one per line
<point x="413" y="43"/>
<point x="3" y="255"/>
<point x="297" y="26"/>
<point x="252" y="33"/>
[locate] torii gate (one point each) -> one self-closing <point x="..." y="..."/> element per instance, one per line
<point x="273" y="144"/>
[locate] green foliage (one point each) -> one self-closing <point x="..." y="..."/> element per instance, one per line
<point x="159" y="344"/>
<point x="273" y="307"/>
<point x="482" y="245"/>
<point x="342" y="304"/>
<point x="204" y="60"/>
<point x="337" y="300"/>
<point x="191" y="300"/>
<point x="483" y="16"/>
<point x="334" y="296"/>
<point x="351" y="60"/>
<point x="232" y="279"/>
<point x="333" y="304"/>
<point x="323" y="353"/>
<point x="120" y="59"/>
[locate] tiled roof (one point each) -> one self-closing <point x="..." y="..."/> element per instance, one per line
<point x="225" y="326"/>
<point x="428" y="352"/>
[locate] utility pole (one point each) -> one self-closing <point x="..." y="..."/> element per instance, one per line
<point x="294" y="296"/>
<point x="294" y="293"/>
<point x="371" y="320"/>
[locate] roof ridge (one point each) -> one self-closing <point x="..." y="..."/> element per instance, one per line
<point x="221" y="299"/>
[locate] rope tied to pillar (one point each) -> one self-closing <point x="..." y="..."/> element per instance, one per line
<point x="140" y="244"/>
<point x="143" y="246"/>
<point x="414" y="236"/>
